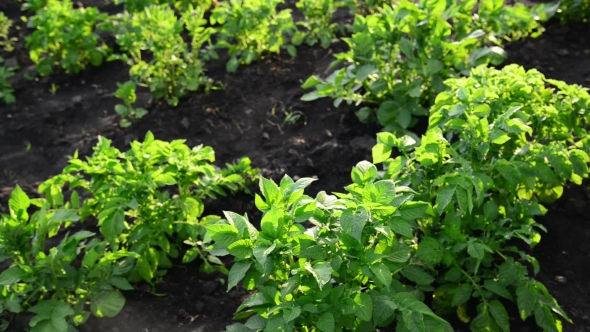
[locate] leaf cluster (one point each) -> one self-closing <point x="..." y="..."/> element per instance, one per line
<point x="63" y="284"/>
<point x="399" y="57"/>
<point x="346" y="272"/>
<point x="147" y="204"/>
<point x="495" y="150"/>
<point x="318" y="23"/>
<point x="6" y="91"/>
<point x="574" y="10"/>
<point x="154" y="48"/>
<point x="130" y="197"/>
<point x="6" y="41"/>
<point x="249" y="28"/>
<point x="64" y="37"/>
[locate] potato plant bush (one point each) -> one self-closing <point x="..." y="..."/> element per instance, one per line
<point x="441" y="219"/>
<point x="575" y="10"/>
<point x="144" y="207"/>
<point x="64" y="37"/>
<point x="400" y="56"/>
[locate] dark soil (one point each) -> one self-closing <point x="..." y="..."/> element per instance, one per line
<point x="247" y="118"/>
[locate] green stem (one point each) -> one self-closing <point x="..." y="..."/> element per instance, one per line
<point x="475" y="285"/>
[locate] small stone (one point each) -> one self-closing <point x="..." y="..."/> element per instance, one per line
<point x="265" y="136"/>
<point x="249" y="111"/>
<point x="587" y="79"/>
<point x="76" y="100"/>
<point x="562" y="52"/>
<point x="185" y="122"/>
<point x="561" y="279"/>
<point x="208" y="287"/>
<point x="293" y="152"/>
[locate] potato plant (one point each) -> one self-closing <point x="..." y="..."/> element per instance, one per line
<point x="6" y="41"/>
<point x="6" y="91"/>
<point x="128" y="113"/>
<point x="64" y="37"/>
<point x="250" y="28"/>
<point x="400" y="57"/>
<point x="173" y="69"/>
<point x="574" y="10"/>
<point x="130" y="195"/>
<point x="317" y="25"/>
<point x="61" y="286"/>
<point x="345" y="273"/>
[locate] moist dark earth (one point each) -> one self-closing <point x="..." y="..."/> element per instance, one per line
<point x="247" y="118"/>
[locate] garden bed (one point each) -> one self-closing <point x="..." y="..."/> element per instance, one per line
<point x="250" y="117"/>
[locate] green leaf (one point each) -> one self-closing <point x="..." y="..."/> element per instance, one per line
<point x="322" y="272"/>
<point x="120" y="282"/>
<point x="546" y="320"/>
<point x="417" y="275"/>
<point x="481" y="323"/>
<point x="406" y="47"/>
<point x="311" y="82"/>
<point x="112" y="226"/>
<point x="400" y="255"/>
<point x="413" y="321"/>
<point x="262" y="251"/>
<point x="462" y="295"/>
<point x="475" y="250"/>
<point x="353" y="222"/>
<point x="416" y="210"/>
<point x="269" y="190"/>
<point x="497" y="288"/>
<point x="382" y="273"/>
<point x="326" y="322"/>
<point x="241" y="249"/>
<point x="11" y="275"/>
<point x="430" y="250"/>
<point x="107" y="304"/>
<point x="363" y="306"/>
<point x="401" y="226"/>
<point x="525" y="299"/>
<point x="271" y="222"/>
<point x="381" y="153"/>
<point x="223" y="235"/>
<point x="237" y="273"/>
<point x="19" y="203"/>
<point x="500" y="315"/>
<point x="444" y="197"/>
<point x="383" y="308"/>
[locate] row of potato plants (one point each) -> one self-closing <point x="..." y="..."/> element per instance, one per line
<point x="250" y="28"/>
<point x="448" y="220"/>
<point x="128" y="217"/>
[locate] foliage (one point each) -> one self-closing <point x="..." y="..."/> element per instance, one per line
<point x="442" y="218"/>
<point x="62" y="284"/>
<point x="173" y="70"/>
<point x="486" y="178"/>
<point x="400" y="57"/>
<point x="64" y="37"/>
<point x="6" y="41"/>
<point x="129" y="195"/>
<point x="140" y="5"/>
<point x="6" y="91"/>
<point x="126" y="92"/>
<point x="249" y="28"/>
<point x="575" y="10"/>
<point x="343" y="273"/>
<point x="317" y="23"/>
